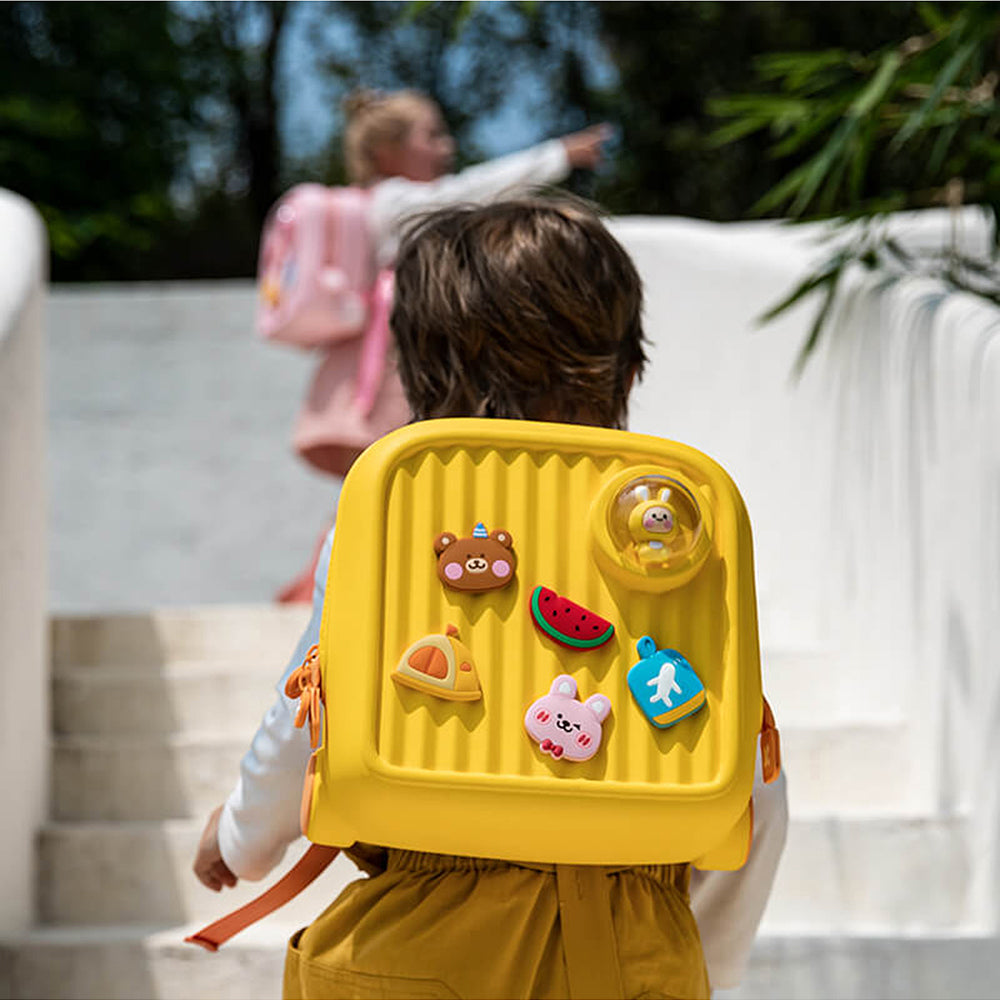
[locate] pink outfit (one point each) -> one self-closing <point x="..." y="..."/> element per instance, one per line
<point x="332" y="428"/>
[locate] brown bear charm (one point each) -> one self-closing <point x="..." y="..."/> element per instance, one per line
<point x="484" y="561"/>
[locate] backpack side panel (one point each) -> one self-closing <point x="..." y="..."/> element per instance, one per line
<point x="315" y="268"/>
<point x="403" y="768"/>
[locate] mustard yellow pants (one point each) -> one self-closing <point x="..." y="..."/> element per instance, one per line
<point x="433" y="925"/>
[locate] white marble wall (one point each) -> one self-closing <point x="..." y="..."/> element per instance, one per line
<point x="24" y="717"/>
<point x="873" y="483"/>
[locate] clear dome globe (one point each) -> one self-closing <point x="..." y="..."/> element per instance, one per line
<point x="654" y="521"/>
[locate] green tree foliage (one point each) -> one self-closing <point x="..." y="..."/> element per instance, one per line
<point x="673" y="58"/>
<point x="146" y="133"/>
<point x="92" y="119"/>
<point x="232" y="52"/>
<point x="862" y="133"/>
<point x="149" y="133"/>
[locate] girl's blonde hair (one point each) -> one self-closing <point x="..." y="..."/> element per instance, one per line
<point x="375" y="120"/>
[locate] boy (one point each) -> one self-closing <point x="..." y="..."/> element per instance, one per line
<point x="521" y="310"/>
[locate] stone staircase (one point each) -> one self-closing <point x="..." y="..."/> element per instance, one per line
<point x="151" y="714"/>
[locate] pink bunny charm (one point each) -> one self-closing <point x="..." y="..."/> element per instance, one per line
<point x="565" y="727"/>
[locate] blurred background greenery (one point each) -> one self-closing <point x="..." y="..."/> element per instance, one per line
<point x="154" y="136"/>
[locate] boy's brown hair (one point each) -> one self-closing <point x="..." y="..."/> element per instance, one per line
<point x="524" y="309"/>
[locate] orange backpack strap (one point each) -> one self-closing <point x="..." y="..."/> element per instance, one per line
<point x="312" y="864"/>
<point x="770" y="746"/>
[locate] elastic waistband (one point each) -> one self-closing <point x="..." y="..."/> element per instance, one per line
<point x="676" y="875"/>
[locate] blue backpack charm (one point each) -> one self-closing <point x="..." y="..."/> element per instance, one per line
<point x="664" y="685"/>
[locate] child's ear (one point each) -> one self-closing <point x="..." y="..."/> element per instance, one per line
<point x="442" y="542"/>
<point x="503" y="537"/>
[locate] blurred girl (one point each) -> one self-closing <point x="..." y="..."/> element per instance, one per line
<point x="398" y="147"/>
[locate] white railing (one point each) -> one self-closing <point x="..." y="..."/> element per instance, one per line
<point x="873" y="483"/>
<point x="917" y="379"/>
<point x="24" y="672"/>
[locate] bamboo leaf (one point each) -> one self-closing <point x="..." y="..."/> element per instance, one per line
<point x="820" y="164"/>
<point x="797" y="67"/>
<point x="771" y="105"/>
<point x="831" y="185"/>
<point x="931" y="16"/>
<point x="896" y="249"/>
<point x="805" y="287"/>
<point x="878" y="86"/>
<point x="941" y="146"/>
<point x="819" y="121"/>
<point x="734" y="130"/>
<point x="818" y="323"/>
<point x="781" y="191"/>
<point x="945" y="78"/>
<point x="859" y="164"/>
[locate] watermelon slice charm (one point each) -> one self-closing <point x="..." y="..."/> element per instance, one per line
<point x="568" y="623"/>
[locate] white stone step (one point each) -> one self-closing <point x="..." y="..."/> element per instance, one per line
<point x="205" y="696"/>
<point x="137" y="961"/>
<point x="805" y="967"/>
<point x="876" y="875"/>
<point x="143" y="778"/>
<point x="140" y="961"/>
<point x="860" y="769"/>
<point x="837" y="876"/>
<point x="807" y="685"/>
<point x="259" y="634"/>
<point x="117" y="873"/>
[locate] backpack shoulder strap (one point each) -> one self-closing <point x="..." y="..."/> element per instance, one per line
<point x="312" y="864"/>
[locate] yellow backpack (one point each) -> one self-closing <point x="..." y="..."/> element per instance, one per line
<point x="539" y="643"/>
<point x="427" y="680"/>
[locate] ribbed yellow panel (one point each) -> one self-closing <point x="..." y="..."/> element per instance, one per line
<point x="404" y="768"/>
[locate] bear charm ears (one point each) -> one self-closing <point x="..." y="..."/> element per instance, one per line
<point x="483" y="561"/>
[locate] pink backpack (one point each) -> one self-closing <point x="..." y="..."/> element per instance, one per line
<point x="319" y="288"/>
<point x="317" y="277"/>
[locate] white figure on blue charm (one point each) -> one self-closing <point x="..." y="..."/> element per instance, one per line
<point x="664" y="684"/>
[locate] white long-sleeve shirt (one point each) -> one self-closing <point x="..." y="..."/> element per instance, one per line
<point x="261" y="819"/>
<point x="397" y="199"/>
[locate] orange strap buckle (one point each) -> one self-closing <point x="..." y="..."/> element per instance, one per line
<point x="306" y="684"/>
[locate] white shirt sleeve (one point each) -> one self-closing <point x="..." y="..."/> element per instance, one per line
<point x="397" y="199"/>
<point x="261" y="816"/>
<point x="728" y="906"/>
